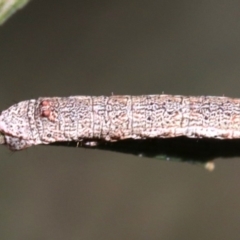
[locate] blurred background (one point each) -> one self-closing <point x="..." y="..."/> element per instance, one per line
<point x="62" y="48"/>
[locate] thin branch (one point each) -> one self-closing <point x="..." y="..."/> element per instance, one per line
<point x="181" y="149"/>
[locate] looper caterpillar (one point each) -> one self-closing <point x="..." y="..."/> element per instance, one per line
<point x="112" y="118"/>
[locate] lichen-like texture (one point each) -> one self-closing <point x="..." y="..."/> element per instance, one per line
<point x="8" y="7"/>
<point x="48" y="120"/>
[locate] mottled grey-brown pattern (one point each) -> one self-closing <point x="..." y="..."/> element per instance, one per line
<point x="47" y="120"/>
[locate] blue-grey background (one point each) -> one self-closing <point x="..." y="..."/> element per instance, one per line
<point x="62" y="48"/>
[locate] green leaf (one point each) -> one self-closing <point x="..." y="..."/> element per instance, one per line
<point x="9" y="7"/>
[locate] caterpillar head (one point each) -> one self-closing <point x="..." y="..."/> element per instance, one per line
<point x="15" y="131"/>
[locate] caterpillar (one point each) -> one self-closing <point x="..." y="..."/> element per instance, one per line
<point x="112" y="118"/>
